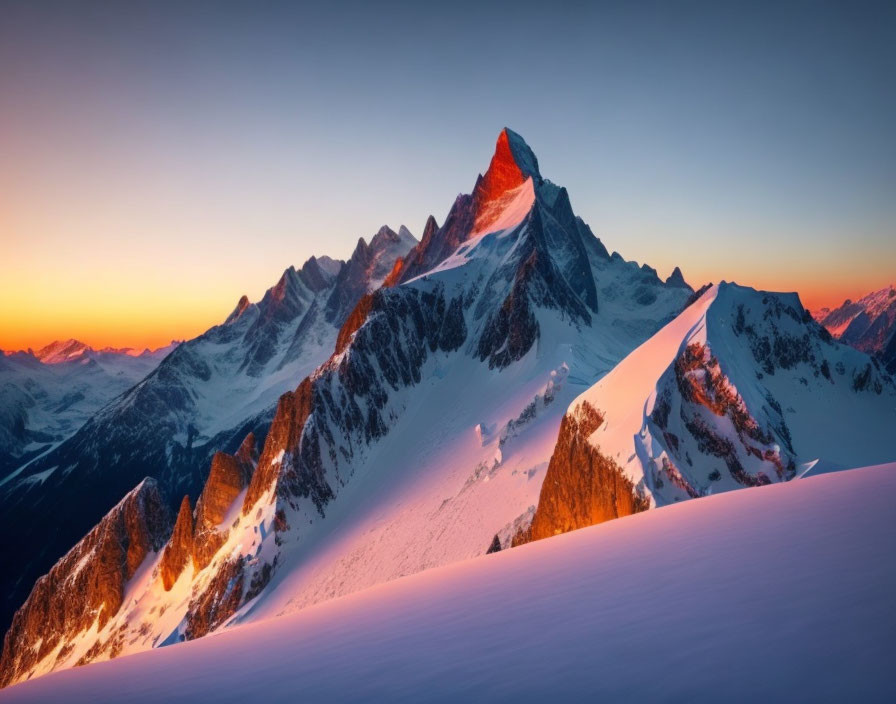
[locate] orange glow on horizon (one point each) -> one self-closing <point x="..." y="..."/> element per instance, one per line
<point x="151" y="319"/>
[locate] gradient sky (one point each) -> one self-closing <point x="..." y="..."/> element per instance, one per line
<point x="158" y="160"/>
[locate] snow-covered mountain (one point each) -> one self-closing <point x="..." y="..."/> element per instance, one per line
<point x="741" y="597"/>
<point x="742" y="389"/>
<point x="427" y="432"/>
<point x="205" y="396"/>
<point x="69" y="350"/>
<point x="45" y="396"/>
<point x="868" y="324"/>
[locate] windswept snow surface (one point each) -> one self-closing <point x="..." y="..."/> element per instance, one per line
<point x="782" y="592"/>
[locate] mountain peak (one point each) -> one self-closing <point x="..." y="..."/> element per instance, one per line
<point x="241" y="306"/>
<point x="382" y="238"/>
<point x="61" y="351"/>
<point x="676" y="278"/>
<point x="520" y="151"/>
<point x="512" y="163"/>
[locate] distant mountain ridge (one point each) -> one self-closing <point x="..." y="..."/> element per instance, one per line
<point x="45" y="396"/>
<point x="868" y="324"/>
<point x="69" y="350"/>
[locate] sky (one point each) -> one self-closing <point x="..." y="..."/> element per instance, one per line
<point x="160" y="160"/>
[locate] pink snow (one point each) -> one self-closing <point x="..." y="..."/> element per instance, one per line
<point x="743" y="596"/>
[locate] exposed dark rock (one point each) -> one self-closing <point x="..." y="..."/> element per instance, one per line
<point x="218" y="602"/>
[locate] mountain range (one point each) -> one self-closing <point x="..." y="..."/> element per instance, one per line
<point x="203" y="397"/>
<point x="868" y="324"/>
<point x="45" y="396"/>
<point x="504" y="379"/>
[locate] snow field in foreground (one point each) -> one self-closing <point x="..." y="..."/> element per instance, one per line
<point x="782" y="592"/>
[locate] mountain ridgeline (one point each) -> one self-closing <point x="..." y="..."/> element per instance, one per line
<point x="45" y="396"/>
<point x="868" y="324"/>
<point x="204" y="397"/>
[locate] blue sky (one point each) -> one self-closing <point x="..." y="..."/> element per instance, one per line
<point x="183" y="154"/>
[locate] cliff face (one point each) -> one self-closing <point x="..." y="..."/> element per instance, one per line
<point x="88" y="583"/>
<point x="179" y="549"/>
<point x="293" y="410"/>
<point x="228" y="477"/>
<point x="582" y="487"/>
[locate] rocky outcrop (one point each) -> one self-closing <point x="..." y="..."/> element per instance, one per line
<point x="700" y="382"/>
<point x="368" y="266"/>
<point x="228" y="477"/>
<point x="439" y="242"/>
<point x="217" y="602"/>
<point x="582" y="487"/>
<point x="293" y="410"/>
<point x="179" y="550"/>
<point x="355" y="320"/>
<point x="87" y="585"/>
<point x="198" y="534"/>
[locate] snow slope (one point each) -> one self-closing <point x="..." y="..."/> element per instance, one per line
<point x="698" y="602"/>
<point x="741" y="389"/>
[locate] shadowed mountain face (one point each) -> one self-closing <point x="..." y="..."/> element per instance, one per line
<point x="202" y="398"/>
<point x="868" y="324"/>
<point x="45" y="396"/>
<point x="512" y="293"/>
<point x="92" y="576"/>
